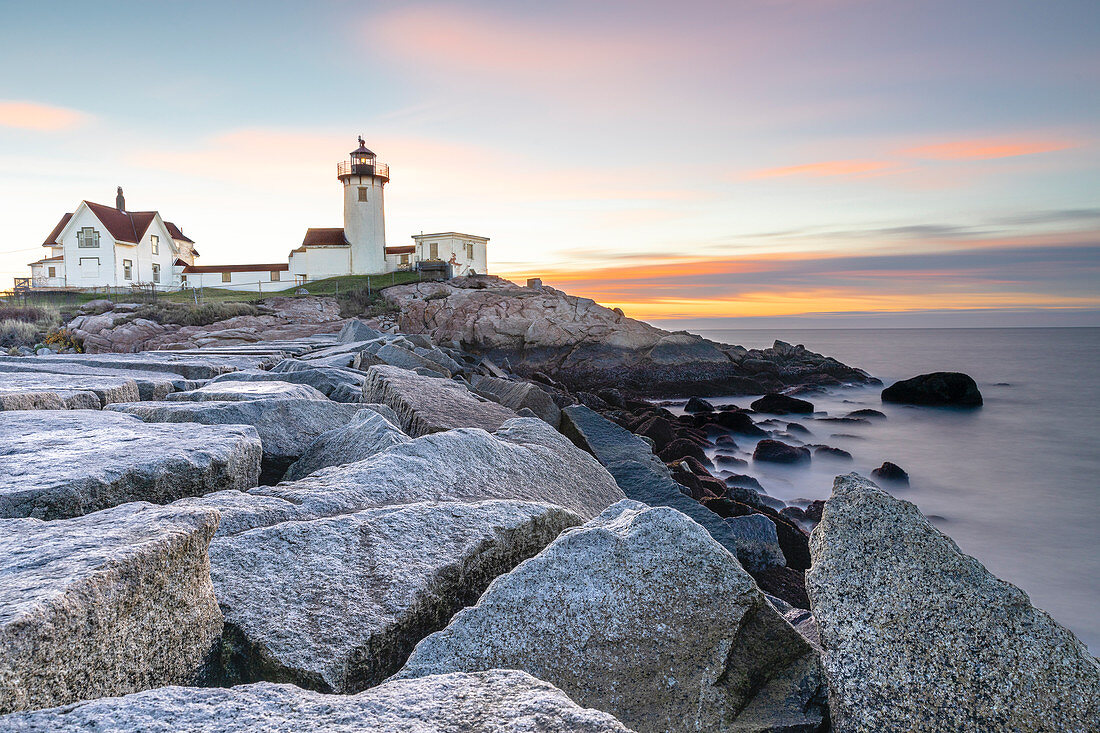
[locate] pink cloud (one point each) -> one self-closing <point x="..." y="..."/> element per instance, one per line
<point x="985" y="149"/>
<point x="35" y="116"/>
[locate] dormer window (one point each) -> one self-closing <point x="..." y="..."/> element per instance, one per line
<point x="154" y="241"/>
<point x="87" y="237"/>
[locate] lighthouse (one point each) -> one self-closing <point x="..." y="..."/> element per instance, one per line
<point x="364" y="178"/>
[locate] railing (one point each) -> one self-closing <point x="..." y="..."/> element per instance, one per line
<point x="348" y="168"/>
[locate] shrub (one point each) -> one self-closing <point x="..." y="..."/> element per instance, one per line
<point x="16" y="332"/>
<point x="26" y="313"/>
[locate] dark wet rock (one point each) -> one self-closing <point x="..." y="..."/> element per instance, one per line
<point x="795" y="428"/>
<point x="659" y="430"/>
<point x="867" y="413"/>
<point x="612" y="397"/>
<point x="638" y="613"/>
<point x="779" y="404"/>
<point x="698" y="404"/>
<point x="814" y="509"/>
<point x="792" y="539"/>
<point x="785" y="583"/>
<point x="826" y="451"/>
<point x="737" y="422"/>
<point x="745" y="481"/>
<point x="757" y="542"/>
<point x="681" y="448"/>
<point x="724" y="460"/>
<point x="113" y="602"/>
<point x="936" y="389"/>
<point x="776" y="452"/>
<point x="726" y="441"/>
<point x="891" y="473"/>
<point x="982" y="658"/>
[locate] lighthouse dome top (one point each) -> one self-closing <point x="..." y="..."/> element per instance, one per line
<point x="362" y="162"/>
<point x="363" y="151"/>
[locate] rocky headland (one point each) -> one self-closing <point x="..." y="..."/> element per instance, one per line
<point x="471" y="514"/>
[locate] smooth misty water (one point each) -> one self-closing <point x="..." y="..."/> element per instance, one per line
<point x="1014" y="483"/>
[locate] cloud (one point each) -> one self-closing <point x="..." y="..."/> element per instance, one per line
<point x="41" y="117"/>
<point x="847" y="168"/>
<point x="984" y="149"/>
<point x="992" y="276"/>
<point x="463" y="40"/>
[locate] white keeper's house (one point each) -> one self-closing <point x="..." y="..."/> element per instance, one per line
<point x="98" y="246"/>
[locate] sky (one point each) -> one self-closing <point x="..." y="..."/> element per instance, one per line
<point x="777" y="162"/>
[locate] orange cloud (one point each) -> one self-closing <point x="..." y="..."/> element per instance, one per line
<point x="829" y="168"/>
<point x="35" y="116"/>
<point x="985" y="149"/>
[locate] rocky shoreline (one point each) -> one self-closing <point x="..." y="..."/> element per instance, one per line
<point x="472" y="515"/>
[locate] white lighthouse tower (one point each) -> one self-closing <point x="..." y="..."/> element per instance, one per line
<point x="364" y="209"/>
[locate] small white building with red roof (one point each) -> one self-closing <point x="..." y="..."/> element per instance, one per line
<point x="98" y="245"/>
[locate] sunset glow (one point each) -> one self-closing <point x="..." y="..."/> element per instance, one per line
<point x="737" y="158"/>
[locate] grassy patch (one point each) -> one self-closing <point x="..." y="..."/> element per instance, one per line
<point x="185" y="314"/>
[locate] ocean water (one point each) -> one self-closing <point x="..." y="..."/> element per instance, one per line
<point x="1014" y="483"/>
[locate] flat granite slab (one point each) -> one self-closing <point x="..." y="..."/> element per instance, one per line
<point x="59" y="464"/>
<point x="27" y="391"/>
<point x="241" y="391"/>
<point x="114" y="602"/>
<point x="189" y="367"/>
<point x="501" y="700"/>
<point x="151" y="385"/>
<point x="287" y="427"/>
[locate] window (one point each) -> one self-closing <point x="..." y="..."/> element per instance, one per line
<point x="87" y="237"/>
<point x="404" y="259"/>
<point x="183" y="279"/>
<point x="154" y="241"/>
<point x="156" y="273"/>
<point x="227" y="277"/>
<point x="128" y="269"/>
<point x="433" y="251"/>
<point x="469" y="250"/>
<point x="274" y="276"/>
<point x="362" y="194"/>
<point x="53" y="272"/>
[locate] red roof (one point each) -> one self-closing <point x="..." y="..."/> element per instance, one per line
<point x="51" y="241"/>
<point x="124" y="226"/>
<point x="319" y="237"/>
<point x="176" y="233"/>
<point x="405" y="250"/>
<point x="47" y="259"/>
<point x="282" y="267"/>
